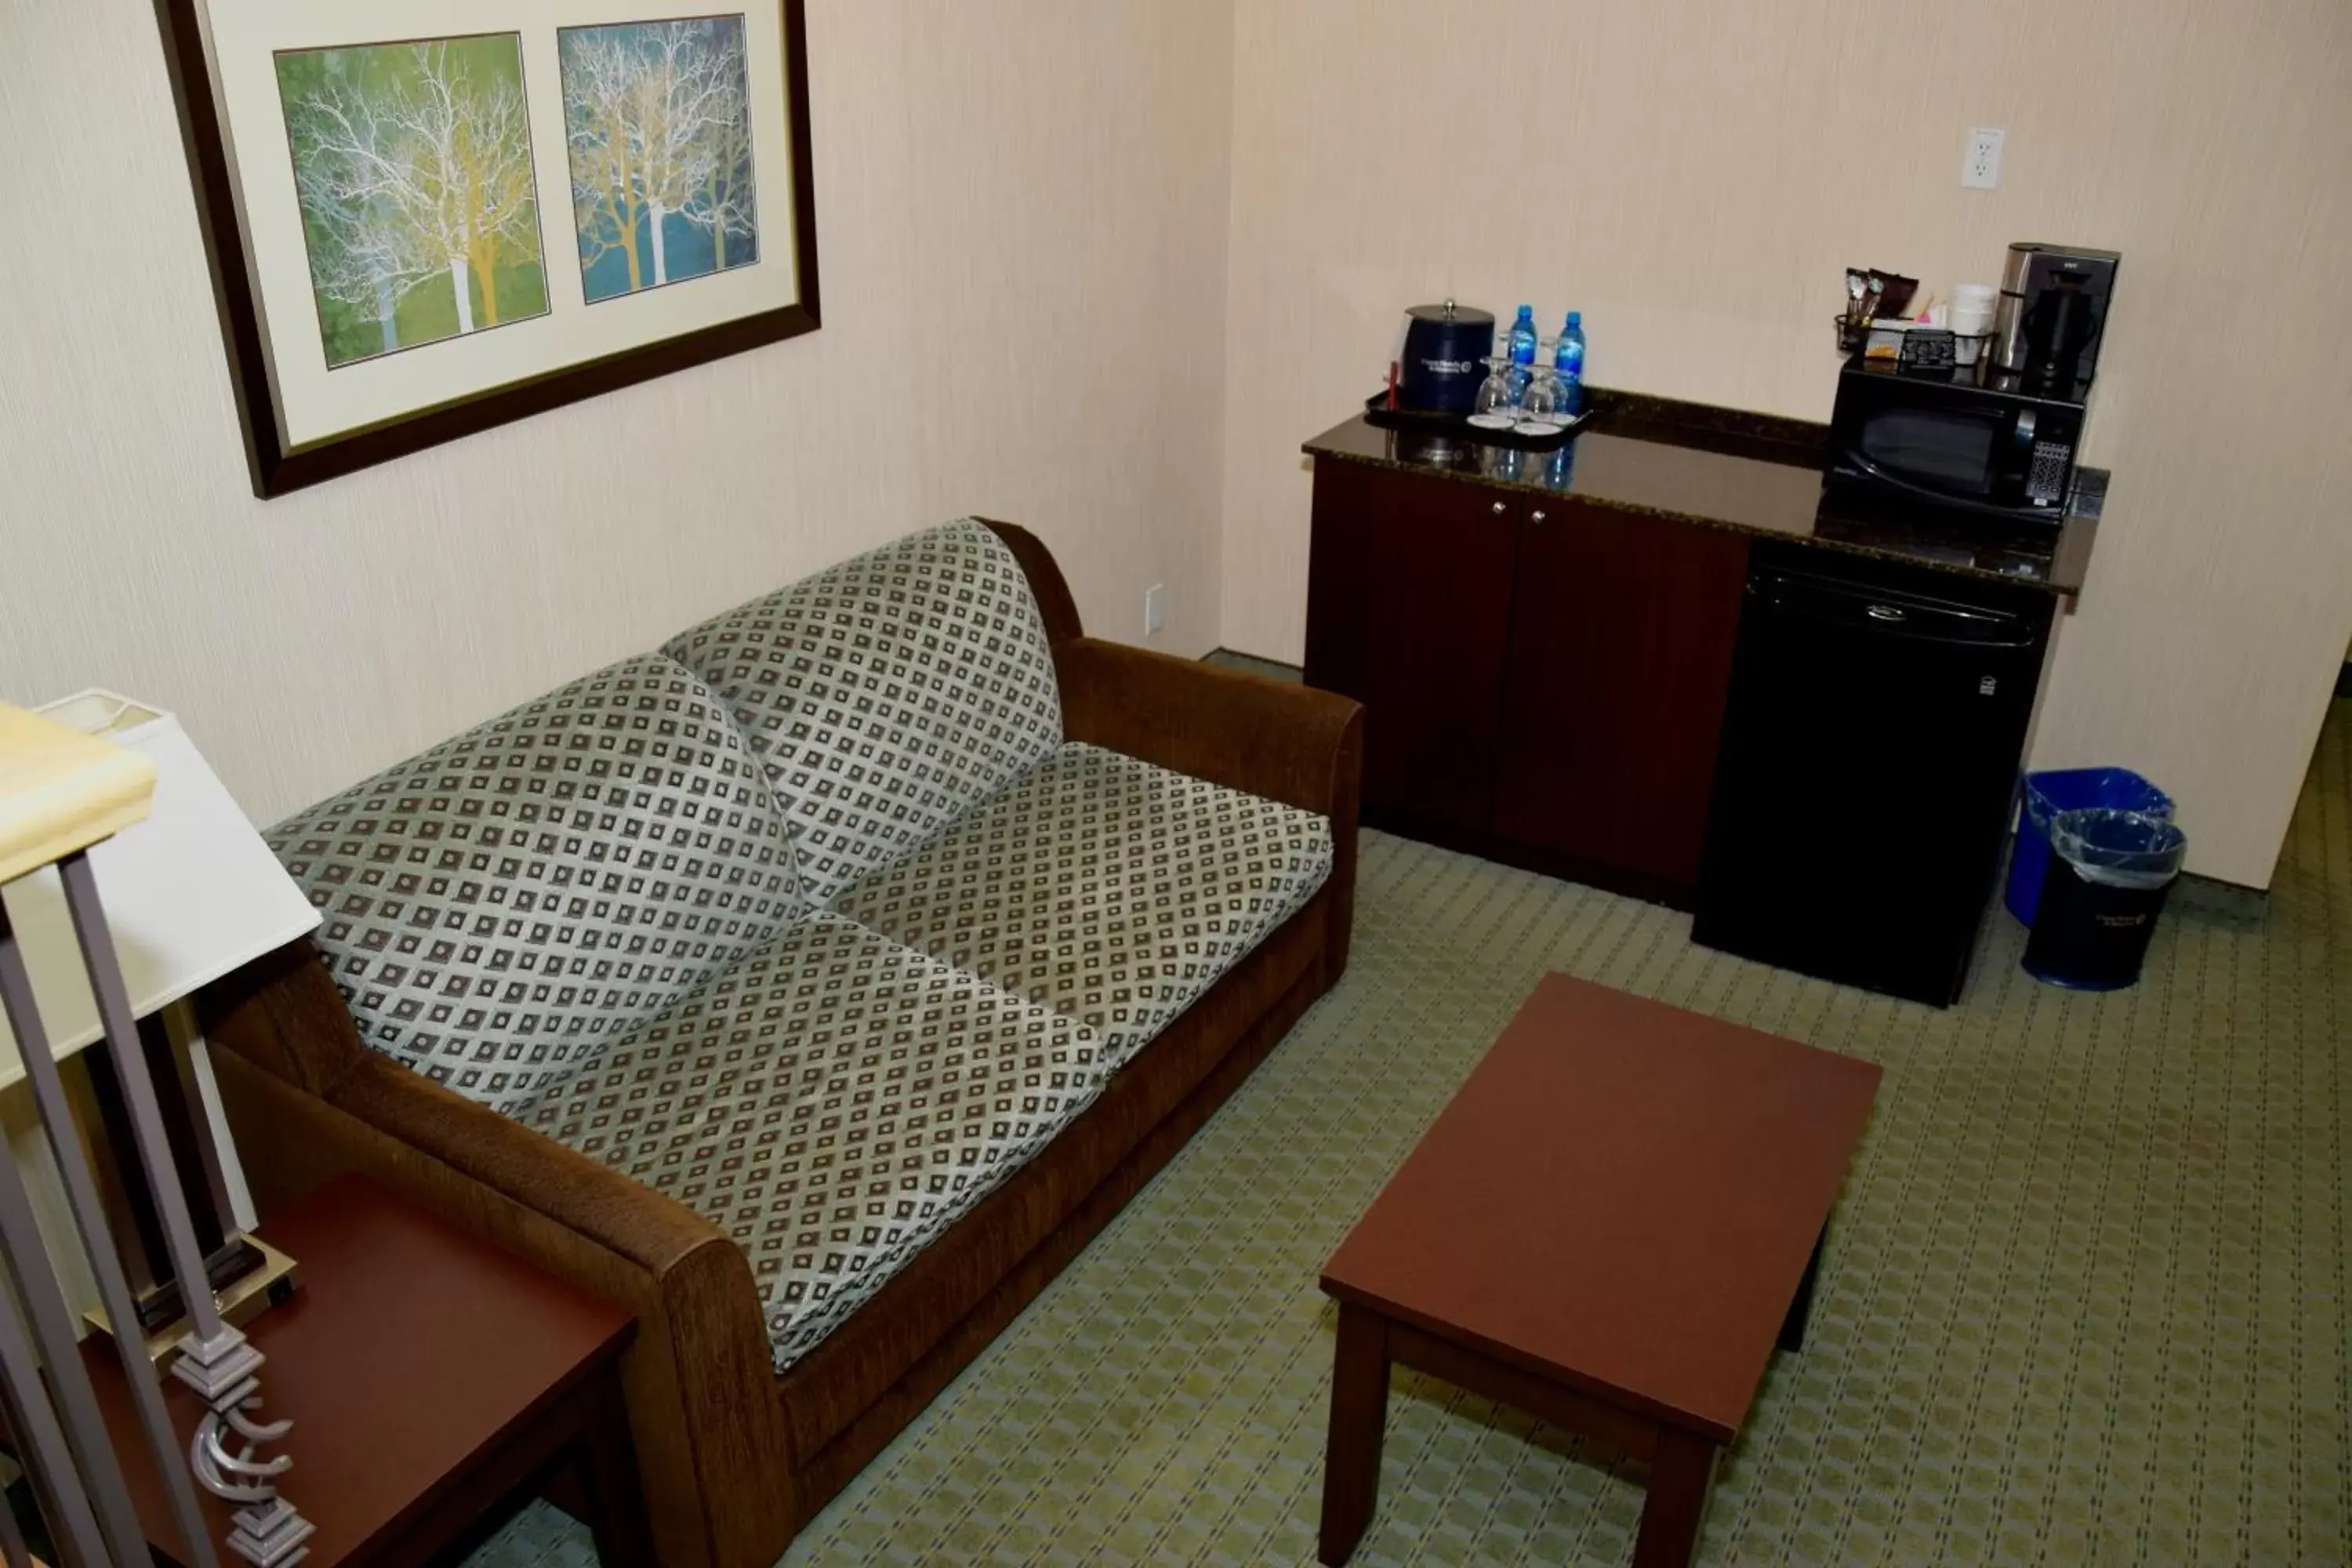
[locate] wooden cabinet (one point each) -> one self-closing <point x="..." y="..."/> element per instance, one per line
<point x="1543" y="678"/>
<point x="1408" y="610"/>
<point x="1622" y="634"/>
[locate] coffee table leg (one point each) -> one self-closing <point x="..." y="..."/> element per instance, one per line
<point x="1800" y="1309"/>
<point x="1679" y="1471"/>
<point x="1360" y="1407"/>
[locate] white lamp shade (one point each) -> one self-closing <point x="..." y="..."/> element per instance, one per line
<point x="189" y="894"/>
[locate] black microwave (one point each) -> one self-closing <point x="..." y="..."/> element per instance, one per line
<point x="1943" y="438"/>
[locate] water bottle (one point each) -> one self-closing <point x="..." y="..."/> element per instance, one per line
<point x="1568" y="361"/>
<point x="1523" y="351"/>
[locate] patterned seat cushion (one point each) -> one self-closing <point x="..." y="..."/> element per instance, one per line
<point x="887" y="694"/>
<point x="835" y="1102"/>
<point x="500" y="906"/>
<point x="1107" y="888"/>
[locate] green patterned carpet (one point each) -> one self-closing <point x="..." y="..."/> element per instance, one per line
<point x="2085" y="1299"/>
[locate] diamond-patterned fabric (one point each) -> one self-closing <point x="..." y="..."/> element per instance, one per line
<point x="498" y="907"/>
<point x="834" y="1101"/>
<point x="887" y="694"/>
<point x="1107" y="888"/>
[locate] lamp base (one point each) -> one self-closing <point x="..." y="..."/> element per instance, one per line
<point x="249" y="1276"/>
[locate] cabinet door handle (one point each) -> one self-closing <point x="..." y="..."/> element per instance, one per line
<point x="1500" y="508"/>
<point x="1535" y="517"/>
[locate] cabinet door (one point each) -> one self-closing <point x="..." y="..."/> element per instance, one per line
<point x="1408" y="609"/>
<point x="1621" y="635"/>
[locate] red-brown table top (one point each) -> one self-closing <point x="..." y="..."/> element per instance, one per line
<point x="1621" y="1198"/>
<point x="408" y="1348"/>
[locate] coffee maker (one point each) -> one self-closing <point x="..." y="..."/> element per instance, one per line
<point x="2052" y="313"/>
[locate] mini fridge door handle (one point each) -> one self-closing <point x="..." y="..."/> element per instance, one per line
<point x="1881" y="614"/>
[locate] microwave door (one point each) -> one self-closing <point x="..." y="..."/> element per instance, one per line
<point x="1947" y="453"/>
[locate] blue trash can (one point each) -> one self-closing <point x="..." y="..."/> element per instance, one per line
<point x="2110" y="872"/>
<point x="2069" y="789"/>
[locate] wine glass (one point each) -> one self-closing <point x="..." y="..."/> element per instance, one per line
<point x="1544" y="406"/>
<point x="1494" y="408"/>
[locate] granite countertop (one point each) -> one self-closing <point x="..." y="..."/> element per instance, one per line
<point x="1756" y="473"/>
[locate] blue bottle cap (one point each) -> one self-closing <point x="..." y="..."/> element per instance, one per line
<point x="1526" y="313"/>
<point x="1575" y="318"/>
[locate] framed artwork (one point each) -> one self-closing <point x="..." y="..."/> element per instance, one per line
<point x="426" y="217"/>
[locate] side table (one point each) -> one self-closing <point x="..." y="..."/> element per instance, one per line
<point x="432" y="1381"/>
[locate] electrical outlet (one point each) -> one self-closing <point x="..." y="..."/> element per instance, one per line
<point x="1155" y="609"/>
<point x="1980" y="164"/>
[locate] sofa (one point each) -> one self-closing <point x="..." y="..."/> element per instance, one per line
<point x="815" y="987"/>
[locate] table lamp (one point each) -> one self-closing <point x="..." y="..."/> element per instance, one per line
<point x="191" y="893"/>
<point x="66" y="792"/>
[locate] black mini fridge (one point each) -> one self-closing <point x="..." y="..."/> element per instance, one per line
<point x="1868" y="768"/>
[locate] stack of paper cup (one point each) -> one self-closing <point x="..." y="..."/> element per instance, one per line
<point x="1972" y="311"/>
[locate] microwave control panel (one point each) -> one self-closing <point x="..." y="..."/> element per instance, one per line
<point x="2045" y="478"/>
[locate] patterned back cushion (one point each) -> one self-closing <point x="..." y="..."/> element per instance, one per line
<point x="887" y="694"/>
<point x="498" y="908"/>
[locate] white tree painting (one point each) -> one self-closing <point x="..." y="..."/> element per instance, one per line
<point x="414" y="167"/>
<point x="658" y="117"/>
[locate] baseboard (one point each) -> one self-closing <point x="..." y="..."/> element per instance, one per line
<point x="2207" y="896"/>
<point x="2210" y="897"/>
<point x="1272" y="668"/>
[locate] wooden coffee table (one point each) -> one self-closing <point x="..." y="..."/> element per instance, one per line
<point x="1612" y="1226"/>
<point x="434" y="1380"/>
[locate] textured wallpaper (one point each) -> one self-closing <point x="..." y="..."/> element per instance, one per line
<point x="1034" y="214"/>
<point x="1021" y="217"/>
<point x="1693" y="177"/>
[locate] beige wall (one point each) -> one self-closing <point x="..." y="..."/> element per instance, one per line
<point x="1021" y="208"/>
<point x="1694" y="178"/>
<point x="1033" y="214"/>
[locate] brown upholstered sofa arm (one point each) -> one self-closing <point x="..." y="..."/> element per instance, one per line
<point x="307" y="1100"/>
<point x="1284" y="742"/>
<point x="288" y="1018"/>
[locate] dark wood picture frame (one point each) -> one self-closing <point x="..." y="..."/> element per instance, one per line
<point x="274" y="469"/>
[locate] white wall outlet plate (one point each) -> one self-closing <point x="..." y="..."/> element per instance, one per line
<point x="1980" y="164"/>
<point x="1155" y="609"/>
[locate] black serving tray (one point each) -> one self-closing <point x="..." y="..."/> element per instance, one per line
<point x="1378" y="412"/>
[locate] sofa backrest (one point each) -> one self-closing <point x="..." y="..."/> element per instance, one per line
<point x="498" y="909"/>
<point x="887" y="694"/>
